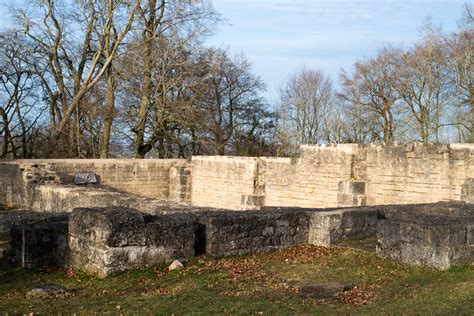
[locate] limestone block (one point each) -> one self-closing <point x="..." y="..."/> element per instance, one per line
<point x="112" y="226"/>
<point x="326" y="228"/>
<point x="239" y="233"/>
<point x="350" y="199"/>
<point x="180" y="183"/>
<point x="252" y="202"/>
<point x="426" y="240"/>
<point x="467" y="191"/>
<point x="105" y="241"/>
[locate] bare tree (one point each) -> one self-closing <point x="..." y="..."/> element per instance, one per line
<point x="71" y="61"/>
<point x="305" y="103"/>
<point x="423" y="83"/>
<point x="18" y="96"/>
<point x="231" y="108"/>
<point x="460" y="62"/>
<point x="371" y="87"/>
<point x="161" y="20"/>
<point x="110" y="41"/>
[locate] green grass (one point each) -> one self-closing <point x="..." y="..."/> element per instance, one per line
<point x="251" y="285"/>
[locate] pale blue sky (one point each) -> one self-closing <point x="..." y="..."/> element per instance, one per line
<point x="280" y="36"/>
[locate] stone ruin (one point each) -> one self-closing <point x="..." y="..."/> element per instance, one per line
<point x="108" y="216"/>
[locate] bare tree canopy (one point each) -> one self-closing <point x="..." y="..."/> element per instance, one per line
<point x="104" y="78"/>
<point x="305" y="103"/>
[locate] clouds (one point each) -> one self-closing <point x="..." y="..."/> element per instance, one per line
<point x="281" y="35"/>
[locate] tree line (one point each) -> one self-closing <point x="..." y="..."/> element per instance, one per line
<point x="108" y="78"/>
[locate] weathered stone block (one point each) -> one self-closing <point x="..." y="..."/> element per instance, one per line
<point x="467" y="191"/>
<point x="239" y="233"/>
<point x="105" y="241"/>
<point x="112" y="226"/>
<point x="180" y="183"/>
<point x="252" y="202"/>
<point x="434" y="241"/>
<point x="173" y="232"/>
<point x="329" y="227"/>
<point x="351" y="193"/>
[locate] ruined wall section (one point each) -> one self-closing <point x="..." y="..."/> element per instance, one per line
<point x="19" y="180"/>
<point x="11" y="185"/>
<point x="223" y="182"/>
<point x="415" y="172"/>
<point x="342" y="175"/>
<point x="312" y="180"/>
<point x="146" y="178"/>
<point x="324" y="176"/>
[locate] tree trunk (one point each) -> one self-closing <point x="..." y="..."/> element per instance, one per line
<point x="109" y="116"/>
<point x="6" y="138"/>
<point x="139" y="129"/>
<point x="471" y="102"/>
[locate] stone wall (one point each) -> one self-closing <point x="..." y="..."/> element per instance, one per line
<point x="48" y="185"/>
<point x="13" y="218"/>
<point x="242" y="233"/>
<point x="310" y="181"/>
<point x="11" y="185"/>
<point x="338" y="175"/>
<point x="104" y="241"/>
<point x="414" y="172"/>
<point x="19" y="180"/>
<point x="64" y="198"/>
<point x="324" y="176"/>
<point x="147" y="177"/>
<point x="41" y="244"/>
<point x="435" y="235"/>
<point x="244" y="183"/>
<point x="223" y="182"/>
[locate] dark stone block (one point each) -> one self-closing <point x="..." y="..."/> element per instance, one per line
<point x="85" y="178"/>
<point x="331" y="290"/>
<point x="47" y="291"/>
<point x="40" y="244"/>
<point x="9" y="218"/>
<point x="358" y="187"/>
<point x="174" y="232"/>
<point x="111" y="226"/>
<point x="239" y="233"/>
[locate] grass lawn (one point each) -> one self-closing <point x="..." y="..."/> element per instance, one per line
<point x="264" y="284"/>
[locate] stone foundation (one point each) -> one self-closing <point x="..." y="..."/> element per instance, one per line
<point x="242" y="233"/>
<point x="104" y="241"/>
<point x="111" y="240"/>
<point x="10" y="219"/>
<point x="437" y="236"/>
<point x="330" y="227"/>
<point x="332" y="183"/>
